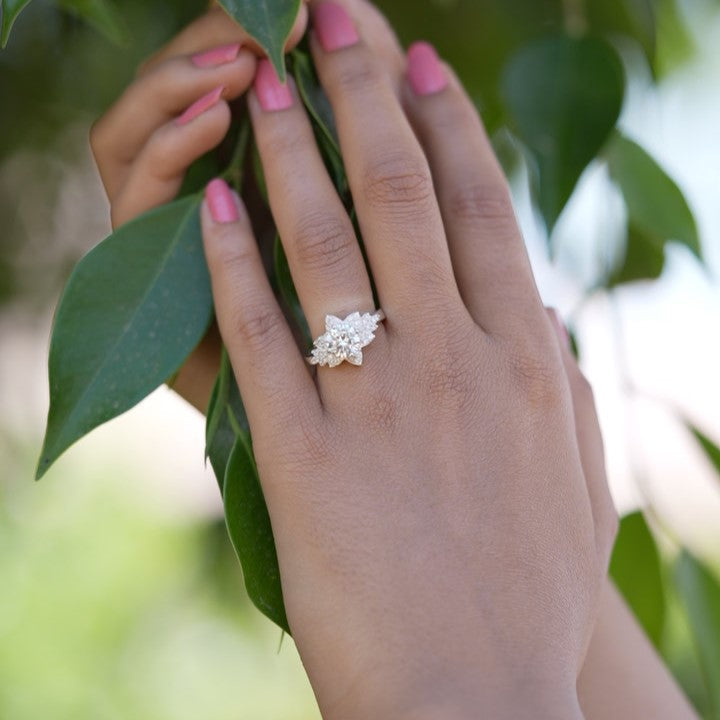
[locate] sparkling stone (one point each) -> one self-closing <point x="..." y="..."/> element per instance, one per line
<point x="343" y="340"/>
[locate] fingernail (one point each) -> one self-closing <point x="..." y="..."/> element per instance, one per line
<point x="425" y="71"/>
<point x="223" y="204"/>
<point x="201" y="105"/>
<point x="560" y="328"/>
<point x="216" y="56"/>
<point x="272" y="94"/>
<point x="333" y="26"/>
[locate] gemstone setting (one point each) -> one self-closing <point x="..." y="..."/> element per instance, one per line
<point x="343" y="340"/>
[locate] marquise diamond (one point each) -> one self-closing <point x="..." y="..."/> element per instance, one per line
<point x="343" y="340"/>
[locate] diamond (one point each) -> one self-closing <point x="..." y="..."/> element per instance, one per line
<point x="343" y="340"/>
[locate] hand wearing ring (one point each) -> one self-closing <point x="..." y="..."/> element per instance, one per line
<point x="466" y="448"/>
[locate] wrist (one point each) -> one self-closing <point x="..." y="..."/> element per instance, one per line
<point x="440" y="700"/>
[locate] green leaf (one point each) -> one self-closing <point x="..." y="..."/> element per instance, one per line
<point x="675" y="42"/>
<point x="10" y="9"/>
<point x="249" y="528"/>
<point x="314" y="97"/>
<point x="656" y="206"/>
<point x="133" y="309"/>
<point x="103" y="15"/>
<point x="287" y="289"/>
<point x="711" y="449"/>
<point x="224" y="416"/>
<point x="563" y="96"/>
<point x="323" y="120"/>
<point x="269" y="22"/>
<point x="644" y="258"/>
<point x="635" y="568"/>
<point x="699" y="592"/>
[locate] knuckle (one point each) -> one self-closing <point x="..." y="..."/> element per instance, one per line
<point x="227" y="255"/>
<point x="257" y="326"/>
<point x="398" y="179"/>
<point x="323" y="242"/>
<point x="488" y="203"/>
<point x="450" y="379"/>
<point x="537" y="378"/>
<point x="381" y="413"/>
<point x="358" y="75"/>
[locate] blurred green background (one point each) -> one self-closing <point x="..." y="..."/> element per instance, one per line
<point x="120" y="594"/>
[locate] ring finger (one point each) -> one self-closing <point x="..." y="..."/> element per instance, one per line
<point x="323" y="253"/>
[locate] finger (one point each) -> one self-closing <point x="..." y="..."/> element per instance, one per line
<point x="590" y="444"/>
<point x="323" y="253"/>
<point x="272" y="377"/>
<point x="156" y="98"/>
<point x="377" y="32"/>
<point x="157" y="174"/>
<point x="216" y="28"/>
<point x="487" y="249"/>
<point x="388" y="174"/>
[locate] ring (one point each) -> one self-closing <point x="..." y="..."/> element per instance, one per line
<point x="345" y="339"/>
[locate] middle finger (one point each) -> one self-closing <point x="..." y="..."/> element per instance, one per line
<point x="387" y="170"/>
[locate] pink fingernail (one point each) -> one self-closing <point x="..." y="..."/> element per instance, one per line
<point x="560" y="328"/>
<point x="221" y="201"/>
<point x="217" y="56"/>
<point x="201" y="105"/>
<point x="333" y="26"/>
<point x="272" y="94"/>
<point x="425" y="71"/>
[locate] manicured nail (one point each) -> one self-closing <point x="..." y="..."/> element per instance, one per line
<point x="216" y="56"/>
<point x="425" y="71"/>
<point x="201" y="105"/>
<point x="223" y="204"/>
<point x="272" y="94"/>
<point x="560" y="328"/>
<point x="333" y="26"/>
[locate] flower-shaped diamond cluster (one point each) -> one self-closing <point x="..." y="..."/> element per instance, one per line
<point x="344" y="339"/>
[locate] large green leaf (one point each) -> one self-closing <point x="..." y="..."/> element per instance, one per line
<point x="101" y="14"/>
<point x="249" y="528"/>
<point x="9" y="9"/>
<point x="226" y="419"/>
<point x="563" y="96"/>
<point x="133" y="310"/>
<point x="635" y="568"/>
<point x="269" y="22"/>
<point x="286" y="287"/>
<point x="656" y="206"/>
<point x="699" y="591"/>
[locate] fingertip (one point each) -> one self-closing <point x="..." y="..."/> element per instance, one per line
<point x="223" y="204"/>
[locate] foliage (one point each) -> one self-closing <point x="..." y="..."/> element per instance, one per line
<point x="548" y="77"/>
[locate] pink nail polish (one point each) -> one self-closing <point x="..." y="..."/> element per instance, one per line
<point x="221" y="201"/>
<point x="272" y="94"/>
<point x="201" y="105"/>
<point x="425" y="71"/>
<point x="333" y="26"/>
<point x="217" y="56"/>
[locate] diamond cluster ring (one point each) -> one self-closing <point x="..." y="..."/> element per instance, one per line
<point x="345" y="339"/>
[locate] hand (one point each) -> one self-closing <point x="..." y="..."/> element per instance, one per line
<point x="177" y="110"/>
<point x="442" y="518"/>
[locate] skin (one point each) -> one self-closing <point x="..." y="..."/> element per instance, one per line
<point x="397" y="488"/>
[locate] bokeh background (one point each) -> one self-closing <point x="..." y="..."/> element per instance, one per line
<point x="120" y="596"/>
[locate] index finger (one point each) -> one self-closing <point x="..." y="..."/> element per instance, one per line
<point x="213" y="29"/>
